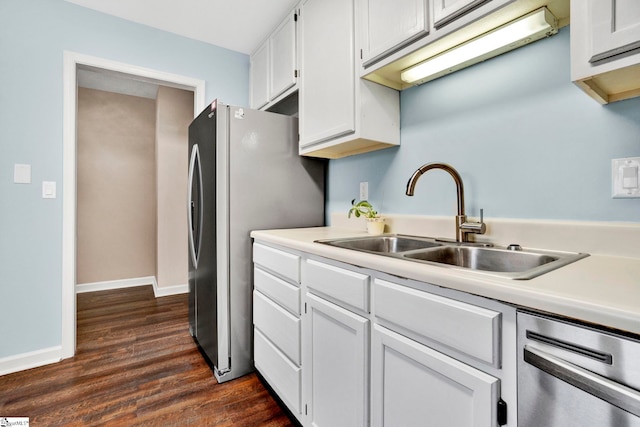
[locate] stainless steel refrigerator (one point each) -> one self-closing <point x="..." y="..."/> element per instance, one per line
<point x="244" y="174"/>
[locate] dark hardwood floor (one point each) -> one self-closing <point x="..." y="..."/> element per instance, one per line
<point x="135" y="365"/>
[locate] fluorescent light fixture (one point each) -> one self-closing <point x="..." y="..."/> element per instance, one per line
<point x="522" y="31"/>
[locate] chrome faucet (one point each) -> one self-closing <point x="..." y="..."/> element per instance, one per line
<point x="463" y="228"/>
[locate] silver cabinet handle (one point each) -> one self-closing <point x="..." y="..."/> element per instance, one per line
<point x="603" y="388"/>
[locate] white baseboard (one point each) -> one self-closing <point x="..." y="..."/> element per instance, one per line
<point x="116" y="284"/>
<point x="33" y="359"/>
<point x="21" y="362"/>
<point x="163" y="291"/>
<point x="158" y="291"/>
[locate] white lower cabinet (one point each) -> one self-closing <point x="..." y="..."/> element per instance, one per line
<point x="277" y="352"/>
<point x="347" y="346"/>
<point x="336" y="365"/>
<point x="283" y="375"/>
<point x="412" y="384"/>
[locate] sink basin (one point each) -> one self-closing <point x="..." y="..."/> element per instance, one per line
<point x="496" y="261"/>
<point x="383" y="244"/>
<point x="484" y="259"/>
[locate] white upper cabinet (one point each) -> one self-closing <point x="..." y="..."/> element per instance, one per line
<point x="389" y="25"/>
<point x="283" y="57"/>
<point x="392" y="43"/>
<point x="615" y="28"/>
<point x="260" y="76"/>
<point x="605" y="48"/>
<point x="340" y="114"/>
<point x="274" y="64"/>
<point x="447" y="10"/>
<point x="327" y="92"/>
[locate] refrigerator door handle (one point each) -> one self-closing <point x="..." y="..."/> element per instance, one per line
<point x="195" y="225"/>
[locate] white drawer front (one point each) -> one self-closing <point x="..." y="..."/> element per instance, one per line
<point x="280" y="326"/>
<point x="282" y="375"/>
<point x="284" y="293"/>
<point x="283" y="263"/>
<point x="347" y="286"/>
<point x="464" y="327"/>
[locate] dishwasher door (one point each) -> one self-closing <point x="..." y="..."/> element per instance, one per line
<point x="572" y="375"/>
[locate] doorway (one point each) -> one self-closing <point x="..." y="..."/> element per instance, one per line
<point x="72" y="63"/>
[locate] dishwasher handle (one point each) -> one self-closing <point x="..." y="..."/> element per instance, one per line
<point x="603" y="388"/>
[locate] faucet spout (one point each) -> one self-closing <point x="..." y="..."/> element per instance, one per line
<point x="462" y="226"/>
<point x="411" y="185"/>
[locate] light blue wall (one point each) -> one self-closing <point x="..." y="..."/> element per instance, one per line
<point x="527" y="142"/>
<point x="33" y="36"/>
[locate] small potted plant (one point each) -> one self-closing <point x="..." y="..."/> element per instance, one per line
<point x="375" y="223"/>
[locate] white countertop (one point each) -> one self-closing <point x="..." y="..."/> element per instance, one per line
<point x="599" y="289"/>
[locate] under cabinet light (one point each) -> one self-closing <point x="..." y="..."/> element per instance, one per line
<point x="522" y="31"/>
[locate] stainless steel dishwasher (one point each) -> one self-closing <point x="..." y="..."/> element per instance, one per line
<point x="573" y="375"/>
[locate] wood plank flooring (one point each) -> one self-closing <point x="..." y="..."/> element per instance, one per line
<point x="135" y="365"/>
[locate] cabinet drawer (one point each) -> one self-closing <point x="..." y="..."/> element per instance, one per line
<point x="283" y="263"/>
<point x="280" y="373"/>
<point x="285" y="294"/>
<point x="467" y="328"/>
<point x="280" y="326"/>
<point x="343" y="285"/>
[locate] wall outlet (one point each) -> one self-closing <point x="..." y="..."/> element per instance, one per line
<point x="364" y="191"/>
<point x="625" y="178"/>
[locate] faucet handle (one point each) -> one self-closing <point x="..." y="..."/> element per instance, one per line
<point x="474" y="227"/>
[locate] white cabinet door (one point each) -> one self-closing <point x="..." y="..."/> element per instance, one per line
<point x="445" y="11"/>
<point x="389" y="25"/>
<point x="412" y="384"/>
<point x="327" y="79"/>
<point x="335" y="365"/>
<point x="605" y="48"/>
<point x="283" y="57"/>
<point x="260" y="76"/>
<point x="615" y="27"/>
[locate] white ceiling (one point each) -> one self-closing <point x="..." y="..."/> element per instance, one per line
<point x="238" y="25"/>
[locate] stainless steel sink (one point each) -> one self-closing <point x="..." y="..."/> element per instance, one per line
<point x="496" y="261"/>
<point x="484" y="259"/>
<point x="383" y="244"/>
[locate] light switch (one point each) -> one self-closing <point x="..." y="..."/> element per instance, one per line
<point x="48" y="189"/>
<point x="625" y="174"/>
<point x="364" y="190"/>
<point x="629" y="177"/>
<point x="21" y="174"/>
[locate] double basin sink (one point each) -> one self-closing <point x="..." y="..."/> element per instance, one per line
<point x="510" y="262"/>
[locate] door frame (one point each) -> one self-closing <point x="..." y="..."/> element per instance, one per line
<point x="71" y="61"/>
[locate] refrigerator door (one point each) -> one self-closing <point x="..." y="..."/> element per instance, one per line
<point x="262" y="183"/>
<point x="202" y="273"/>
